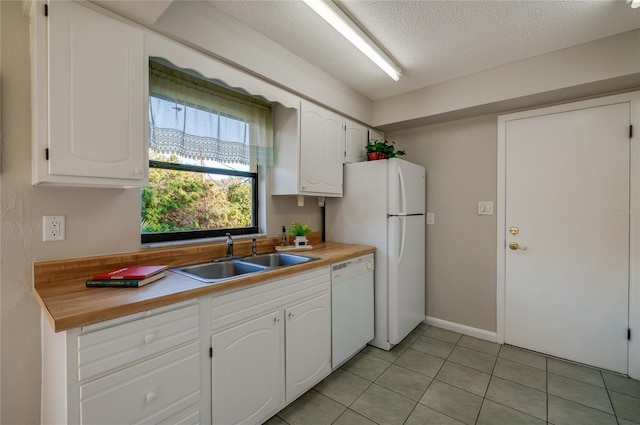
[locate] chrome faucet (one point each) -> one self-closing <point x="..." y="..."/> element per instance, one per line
<point x="229" y="245"/>
<point x="254" y="247"/>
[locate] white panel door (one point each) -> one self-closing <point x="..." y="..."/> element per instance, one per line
<point x="247" y="371"/>
<point x="406" y="284"/>
<point x="567" y="193"/>
<point x="96" y="74"/>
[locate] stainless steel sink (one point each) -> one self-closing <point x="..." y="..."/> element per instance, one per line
<point x="216" y="272"/>
<point x="277" y="259"/>
<point x="221" y="270"/>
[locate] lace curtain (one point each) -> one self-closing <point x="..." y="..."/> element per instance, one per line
<point x="197" y="119"/>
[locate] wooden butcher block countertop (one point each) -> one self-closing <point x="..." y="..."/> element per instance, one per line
<point x="59" y="286"/>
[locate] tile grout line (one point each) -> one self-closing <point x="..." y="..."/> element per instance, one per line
<point x="606" y="388"/>
<point x="546" y="385"/>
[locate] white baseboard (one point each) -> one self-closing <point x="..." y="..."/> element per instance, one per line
<point x="463" y="329"/>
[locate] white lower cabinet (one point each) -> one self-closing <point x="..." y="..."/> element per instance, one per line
<point x="247" y="370"/>
<point x="308" y="335"/>
<point x="270" y="344"/>
<point x="141" y="368"/>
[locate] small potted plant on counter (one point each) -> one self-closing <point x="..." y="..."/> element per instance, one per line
<point x="300" y="231"/>
<point x="382" y="149"/>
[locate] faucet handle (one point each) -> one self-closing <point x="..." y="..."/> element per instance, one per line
<point x="229" y="245"/>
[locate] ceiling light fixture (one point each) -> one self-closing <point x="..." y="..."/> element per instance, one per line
<point x="345" y="26"/>
<point x="635" y="4"/>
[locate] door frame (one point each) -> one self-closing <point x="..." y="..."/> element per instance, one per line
<point x="633" y="98"/>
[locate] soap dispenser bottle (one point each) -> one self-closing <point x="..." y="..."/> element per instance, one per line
<point x="284" y="239"/>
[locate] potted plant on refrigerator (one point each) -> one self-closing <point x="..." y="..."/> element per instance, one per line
<point x="300" y="231"/>
<point x="382" y="149"/>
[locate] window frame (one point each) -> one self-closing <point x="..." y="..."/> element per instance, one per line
<point x="209" y="233"/>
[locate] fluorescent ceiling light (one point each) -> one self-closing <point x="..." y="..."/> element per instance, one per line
<point x="345" y="26"/>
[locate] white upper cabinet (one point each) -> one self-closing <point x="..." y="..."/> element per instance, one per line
<point x="89" y="98"/>
<point x="322" y="137"/>
<point x="356" y="141"/>
<point x="309" y="151"/>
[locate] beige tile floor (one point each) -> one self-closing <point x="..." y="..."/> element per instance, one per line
<point x="440" y="377"/>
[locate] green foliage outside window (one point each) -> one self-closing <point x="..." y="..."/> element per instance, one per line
<point x="177" y="200"/>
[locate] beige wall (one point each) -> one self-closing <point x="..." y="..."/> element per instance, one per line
<point x="460" y="159"/>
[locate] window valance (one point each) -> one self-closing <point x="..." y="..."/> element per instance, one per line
<point x="195" y="118"/>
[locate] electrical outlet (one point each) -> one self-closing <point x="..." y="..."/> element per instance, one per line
<point x="53" y="228"/>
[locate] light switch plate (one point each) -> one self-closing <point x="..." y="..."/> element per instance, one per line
<point x="485" y="207"/>
<point x="431" y="218"/>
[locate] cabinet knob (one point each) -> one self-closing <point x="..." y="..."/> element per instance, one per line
<point x="148" y="338"/>
<point x="137" y="171"/>
<point x="291" y="315"/>
<point x="150" y="396"/>
<point x="276" y="319"/>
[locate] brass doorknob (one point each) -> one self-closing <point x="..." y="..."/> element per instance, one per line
<point x="515" y="246"/>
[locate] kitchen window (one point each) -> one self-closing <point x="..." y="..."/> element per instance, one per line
<point x="206" y="143"/>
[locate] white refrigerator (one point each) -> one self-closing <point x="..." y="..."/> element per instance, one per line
<point x="384" y="206"/>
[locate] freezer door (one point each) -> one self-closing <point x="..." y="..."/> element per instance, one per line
<point x="406" y="187"/>
<point x="406" y="272"/>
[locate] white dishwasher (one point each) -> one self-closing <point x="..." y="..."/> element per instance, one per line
<point x="351" y="308"/>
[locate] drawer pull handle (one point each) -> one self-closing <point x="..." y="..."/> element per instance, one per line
<point x="151" y="396"/>
<point x="148" y="338"/>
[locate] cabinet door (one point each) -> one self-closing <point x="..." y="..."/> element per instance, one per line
<point x="356" y="141"/>
<point x="247" y="368"/>
<point x="96" y="95"/>
<point x="308" y="348"/>
<point x="322" y="139"/>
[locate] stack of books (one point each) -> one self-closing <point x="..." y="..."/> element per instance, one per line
<point x="131" y="277"/>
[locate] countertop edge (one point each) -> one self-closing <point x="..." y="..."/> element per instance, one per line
<point x="70" y="304"/>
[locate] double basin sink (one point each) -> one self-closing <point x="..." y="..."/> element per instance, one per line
<point x="223" y="269"/>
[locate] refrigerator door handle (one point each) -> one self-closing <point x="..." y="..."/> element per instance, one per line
<point x="403" y="195"/>
<point x="403" y="223"/>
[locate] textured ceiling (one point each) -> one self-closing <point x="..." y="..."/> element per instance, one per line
<point x="432" y="41"/>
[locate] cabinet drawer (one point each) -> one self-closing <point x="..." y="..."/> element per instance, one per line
<point x="247" y="303"/>
<point x="114" y="347"/>
<point x="165" y="388"/>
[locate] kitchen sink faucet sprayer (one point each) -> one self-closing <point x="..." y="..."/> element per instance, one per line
<point x="229" y="245"/>
<point x="254" y="247"/>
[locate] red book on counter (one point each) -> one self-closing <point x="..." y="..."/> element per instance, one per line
<point x="132" y="277"/>
<point x="131" y="273"/>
